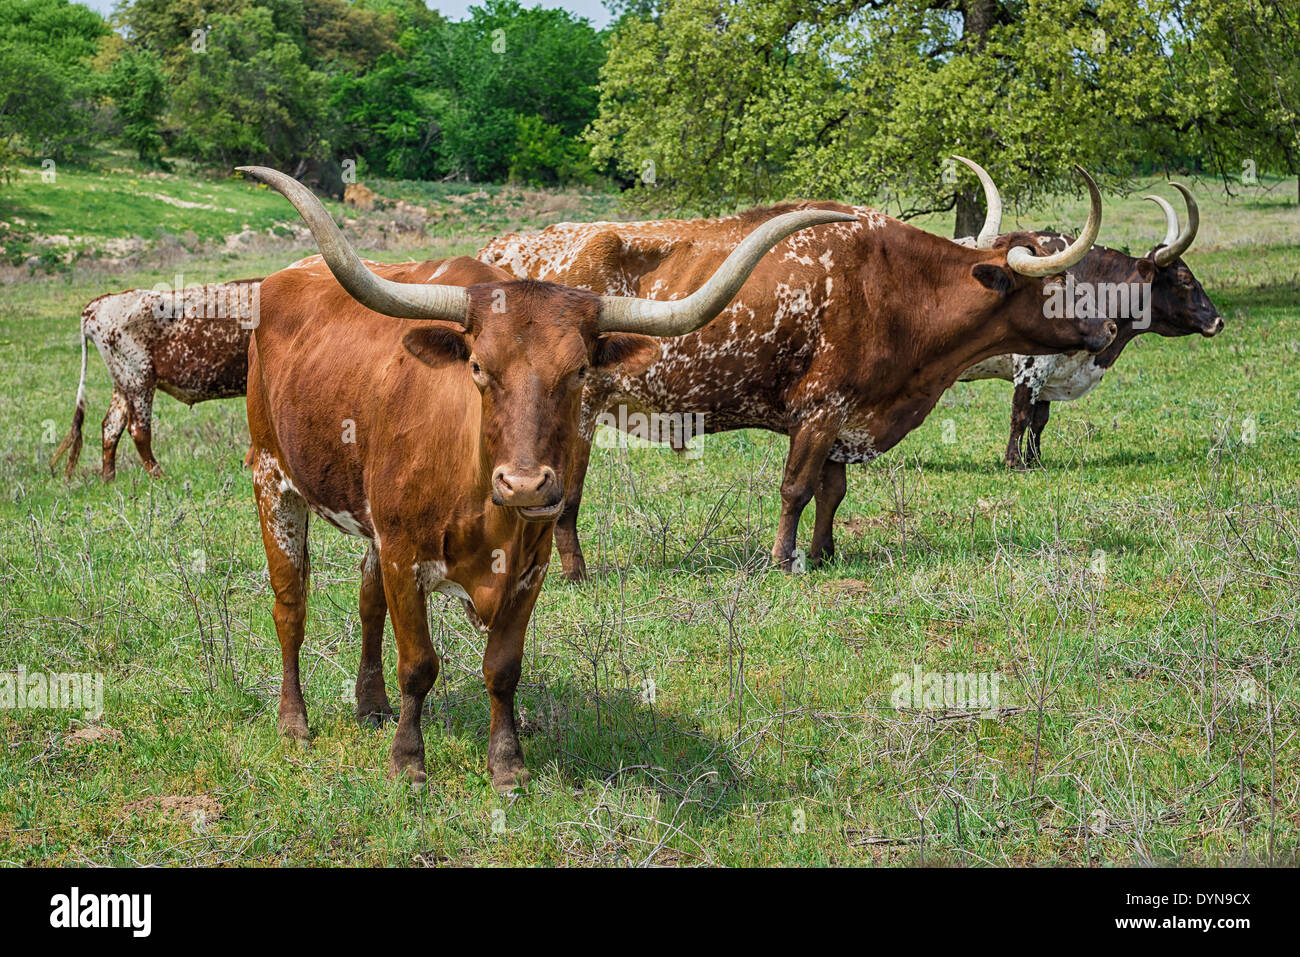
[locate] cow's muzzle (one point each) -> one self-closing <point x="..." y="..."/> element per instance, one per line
<point x="1212" y="327"/>
<point x="1098" y="337"/>
<point x="535" y="492"/>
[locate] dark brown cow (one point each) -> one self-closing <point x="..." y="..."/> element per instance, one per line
<point x="843" y="339"/>
<point x="1155" y="293"/>
<point x="190" y="343"/>
<point x="447" y="444"/>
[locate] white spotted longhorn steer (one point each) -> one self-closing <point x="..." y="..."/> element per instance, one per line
<point x="447" y="443"/>
<point x="190" y="343"/>
<point x="1172" y="303"/>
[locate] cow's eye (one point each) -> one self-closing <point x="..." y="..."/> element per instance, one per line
<point x="582" y="372"/>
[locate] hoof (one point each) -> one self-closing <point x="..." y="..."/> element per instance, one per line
<point x="299" y="739"/>
<point x="375" y="720"/>
<point x="503" y="782"/>
<point x="375" y="716"/>
<point x="576" y="575"/>
<point x="408" y="774"/>
<point x="293" y="727"/>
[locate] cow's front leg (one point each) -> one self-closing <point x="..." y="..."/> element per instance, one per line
<point x="830" y="492"/>
<point x="809" y="446"/>
<point x="1034" y="443"/>
<point x="283" y="516"/>
<point x="502" y="661"/>
<point x="372" y="695"/>
<point x="566" y="529"/>
<point x="417" y="666"/>
<point x="1022" y="402"/>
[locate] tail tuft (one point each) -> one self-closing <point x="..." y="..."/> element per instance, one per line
<point x="72" y="441"/>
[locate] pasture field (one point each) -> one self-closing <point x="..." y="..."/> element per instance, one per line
<point x="1137" y="596"/>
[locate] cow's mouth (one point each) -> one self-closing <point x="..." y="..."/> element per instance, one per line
<point x="1099" y="338"/>
<point x="541" y="513"/>
<point x="1214" y="328"/>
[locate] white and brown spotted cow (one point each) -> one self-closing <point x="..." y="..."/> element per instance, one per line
<point x="1173" y="304"/>
<point x="843" y="339"/>
<point x="191" y="343"/>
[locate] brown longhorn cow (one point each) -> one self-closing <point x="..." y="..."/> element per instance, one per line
<point x="447" y="443"/>
<point x="843" y="339"/>
<point x="190" y="343"/>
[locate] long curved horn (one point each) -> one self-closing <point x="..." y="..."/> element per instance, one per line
<point x="1172" y="250"/>
<point x="1027" y="264"/>
<point x="400" y="299"/>
<point x="992" y="202"/>
<point x="1171" y="219"/>
<point x="679" y="316"/>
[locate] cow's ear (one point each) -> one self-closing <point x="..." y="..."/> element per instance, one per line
<point x="632" y="353"/>
<point x="1146" y="269"/>
<point x="435" y="345"/>
<point x="993" y="277"/>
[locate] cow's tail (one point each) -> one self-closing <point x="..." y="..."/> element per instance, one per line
<point x="72" y="441"/>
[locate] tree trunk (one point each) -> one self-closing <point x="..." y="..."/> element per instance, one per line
<point x="970" y="215"/>
<point x="979" y="17"/>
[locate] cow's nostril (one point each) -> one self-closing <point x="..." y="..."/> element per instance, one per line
<point x="525" y="488"/>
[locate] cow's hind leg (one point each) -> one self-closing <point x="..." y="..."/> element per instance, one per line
<point x="830" y="492"/>
<point x="141" y="425"/>
<point x="1021" y="409"/>
<point x="283" y="515"/>
<point x="417" y="667"/>
<point x="809" y="447"/>
<point x="114" y="424"/>
<point x="372" y="695"/>
<point x="1034" y="443"/>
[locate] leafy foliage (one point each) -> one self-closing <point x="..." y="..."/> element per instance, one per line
<point x="138" y="86"/>
<point x="727" y="102"/>
<point x="44" y="90"/>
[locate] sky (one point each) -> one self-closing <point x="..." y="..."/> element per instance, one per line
<point x="593" y="10"/>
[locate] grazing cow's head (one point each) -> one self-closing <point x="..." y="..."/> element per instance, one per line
<point x="1019" y="280"/>
<point x="1179" y="303"/>
<point x="528" y="345"/>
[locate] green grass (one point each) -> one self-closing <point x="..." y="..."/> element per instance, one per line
<point x="113" y="198"/>
<point x="1148" y="712"/>
<point x="113" y="205"/>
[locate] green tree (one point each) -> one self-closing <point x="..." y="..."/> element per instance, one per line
<point x="738" y="102"/>
<point x="249" y="95"/>
<point x="1235" y="85"/>
<point x="505" y="63"/>
<point x="505" y="93"/>
<point x="45" y="94"/>
<point x="137" y="85"/>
